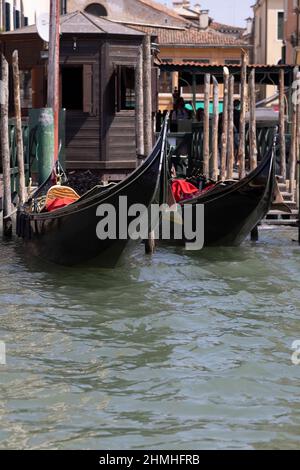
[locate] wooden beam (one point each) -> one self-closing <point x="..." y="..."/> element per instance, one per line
<point x="282" y="141"/>
<point x="242" y="132"/>
<point x="206" y="129"/>
<point x="231" y="149"/>
<point x="147" y="85"/>
<point x="19" y="133"/>
<point x="225" y="125"/>
<point x="139" y="107"/>
<point x="7" y="206"/>
<point x="215" y="131"/>
<point x="252" y="123"/>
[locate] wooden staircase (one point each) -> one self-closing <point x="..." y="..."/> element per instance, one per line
<point x="276" y="217"/>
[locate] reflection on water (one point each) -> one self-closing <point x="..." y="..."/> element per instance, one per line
<point x="184" y="350"/>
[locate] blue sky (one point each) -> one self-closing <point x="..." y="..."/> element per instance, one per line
<point x="224" y="11"/>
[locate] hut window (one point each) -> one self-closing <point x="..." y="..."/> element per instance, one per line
<point x="77" y="88"/>
<point x="125" y="88"/>
<point x="72" y="88"/>
<point x="96" y="9"/>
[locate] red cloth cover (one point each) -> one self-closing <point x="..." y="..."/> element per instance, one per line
<point x="58" y="203"/>
<point x="183" y="190"/>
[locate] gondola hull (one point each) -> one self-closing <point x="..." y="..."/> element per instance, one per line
<point x="69" y="236"/>
<point x="232" y="212"/>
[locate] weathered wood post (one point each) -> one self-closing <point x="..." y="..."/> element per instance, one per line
<point x="19" y="134"/>
<point x="225" y="125"/>
<point x="7" y="206"/>
<point x="241" y="154"/>
<point x="215" y="130"/>
<point x="147" y="70"/>
<point x="230" y="128"/>
<point x="139" y="107"/>
<point x="298" y="151"/>
<point x="252" y="122"/>
<point x="293" y="151"/>
<point x="148" y="130"/>
<point x="282" y="141"/>
<point x="53" y="70"/>
<point x="206" y="130"/>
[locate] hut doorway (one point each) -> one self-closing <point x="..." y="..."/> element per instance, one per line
<point x="72" y="87"/>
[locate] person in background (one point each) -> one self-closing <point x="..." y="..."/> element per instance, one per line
<point x="200" y="115"/>
<point x="180" y="112"/>
<point x="175" y="96"/>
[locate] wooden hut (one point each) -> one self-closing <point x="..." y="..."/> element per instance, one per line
<point x="97" y="88"/>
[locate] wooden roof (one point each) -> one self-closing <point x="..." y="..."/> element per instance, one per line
<point x="80" y="22"/>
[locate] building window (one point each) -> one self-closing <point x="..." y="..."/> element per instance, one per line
<point x="7" y="16"/>
<point x="125" y="88"/>
<point x="280" y="25"/>
<point x="17" y="19"/>
<point x="63" y="7"/>
<point x="259" y="32"/>
<point x="197" y="61"/>
<point x="232" y="62"/>
<point x="25" y="20"/>
<point x="165" y="82"/>
<point x="96" y="9"/>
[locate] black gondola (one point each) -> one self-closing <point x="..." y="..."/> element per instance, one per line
<point x="67" y="236"/>
<point x="232" y="210"/>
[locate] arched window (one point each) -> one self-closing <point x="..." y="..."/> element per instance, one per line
<point x="96" y="9"/>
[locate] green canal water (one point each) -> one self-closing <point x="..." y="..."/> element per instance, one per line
<point x="181" y="351"/>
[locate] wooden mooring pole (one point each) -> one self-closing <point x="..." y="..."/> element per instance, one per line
<point x="148" y="130"/>
<point x="147" y="85"/>
<point x="19" y="134"/>
<point x="230" y="128"/>
<point x="252" y="123"/>
<point x="298" y="154"/>
<point x="7" y="206"/>
<point x="282" y="141"/>
<point x="206" y="129"/>
<point x="215" y="131"/>
<point x="53" y="70"/>
<point x="139" y="108"/>
<point x="241" y="154"/>
<point x="225" y="125"/>
<point x="293" y="151"/>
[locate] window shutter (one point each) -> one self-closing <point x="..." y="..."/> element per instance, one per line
<point x="88" y="89"/>
<point x="118" y="84"/>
